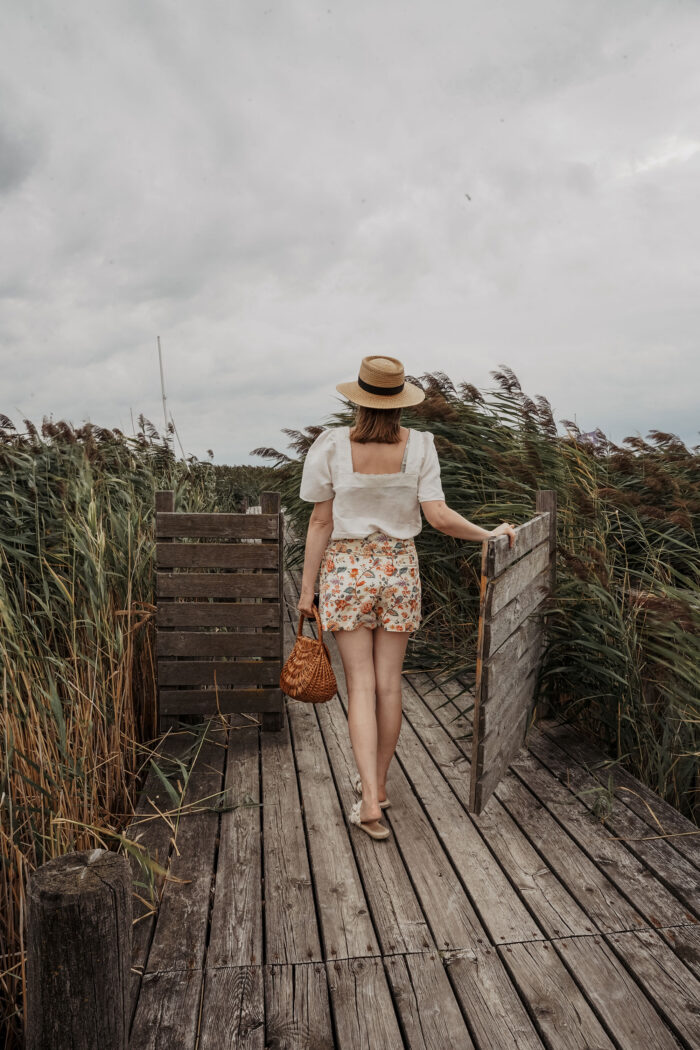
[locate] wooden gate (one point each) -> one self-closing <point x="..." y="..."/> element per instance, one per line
<point x="514" y="584"/>
<point x="219" y="608"/>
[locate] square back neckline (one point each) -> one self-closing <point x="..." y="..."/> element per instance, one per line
<point x="386" y="474"/>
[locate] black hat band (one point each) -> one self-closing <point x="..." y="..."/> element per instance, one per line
<point x="383" y="391"/>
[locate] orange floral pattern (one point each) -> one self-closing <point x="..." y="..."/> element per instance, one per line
<point x="373" y="582"/>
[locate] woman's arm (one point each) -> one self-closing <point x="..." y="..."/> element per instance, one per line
<point x="317" y="536"/>
<point x="442" y="518"/>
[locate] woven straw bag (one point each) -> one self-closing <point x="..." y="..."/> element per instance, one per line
<point x="307" y="674"/>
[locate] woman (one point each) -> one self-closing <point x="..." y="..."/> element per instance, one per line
<point x="368" y="484"/>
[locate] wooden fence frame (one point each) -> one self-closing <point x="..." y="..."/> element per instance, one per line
<point x="515" y="583"/>
<point x="249" y="652"/>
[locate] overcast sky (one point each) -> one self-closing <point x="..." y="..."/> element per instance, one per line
<point x="278" y="188"/>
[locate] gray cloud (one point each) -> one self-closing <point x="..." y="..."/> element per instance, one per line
<point x="279" y="190"/>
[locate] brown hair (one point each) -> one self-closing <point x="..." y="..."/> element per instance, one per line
<point x="377" y="424"/>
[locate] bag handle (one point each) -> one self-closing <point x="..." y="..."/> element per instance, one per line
<point x="302" y="617"/>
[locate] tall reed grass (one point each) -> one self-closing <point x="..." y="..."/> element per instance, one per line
<point x="623" y="654"/>
<point x="77" y="711"/>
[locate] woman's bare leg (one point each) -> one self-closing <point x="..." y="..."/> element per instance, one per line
<point x="355" y="649"/>
<point x="389" y="652"/>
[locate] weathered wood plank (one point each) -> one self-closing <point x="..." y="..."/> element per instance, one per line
<point x="291" y="928"/>
<point x="180" y="934"/>
<point x="496" y="1013"/>
<point x="552" y="906"/>
<point x="203" y="525"/>
<point x="201" y="555"/>
<point x="202" y="672"/>
<point x="167" y="1011"/>
<point x="504" y="588"/>
<point x="217" y="614"/>
<point x="204" y="701"/>
<point x="199" y="644"/>
<point x="670" y="986"/>
<point x="430" y="1015"/>
<point x="512" y="615"/>
<point x="614" y="994"/>
<point x="562" y="845"/>
<point x="658" y="856"/>
<point x="233" y="1010"/>
<point x="558" y="1007"/>
<point x="154" y="834"/>
<point x="500" y="909"/>
<point x="235" y="935"/>
<point x="659" y="815"/>
<point x="685" y="942"/>
<point x="344" y="915"/>
<point x="362" y="1005"/>
<point x="658" y="905"/>
<point x="217" y="584"/>
<point x="298" y="1007"/>
<point x="527" y="536"/>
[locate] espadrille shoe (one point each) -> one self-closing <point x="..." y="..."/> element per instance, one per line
<point x="357" y="784"/>
<point x="374" y="828"/>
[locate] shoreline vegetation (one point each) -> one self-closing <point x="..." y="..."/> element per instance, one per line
<point x="77" y="604"/>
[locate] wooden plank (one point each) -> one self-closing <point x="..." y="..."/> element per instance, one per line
<point x="428" y="1010"/>
<point x="614" y="995"/>
<point x="650" y="897"/>
<point x="154" y="834"/>
<point x="659" y="815"/>
<point x="670" y="986"/>
<point x="510" y="617"/>
<point x="203" y="555"/>
<point x="181" y="930"/>
<point x="669" y="867"/>
<point x="217" y="585"/>
<point x="235" y="935"/>
<point x="685" y="942"/>
<point x="203" y="672"/>
<point x="527" y="536"/>
<point x="504" y="588"/>
<point x="167" y="1010"/>
<point x="503" y="668"/>
<point x="607" y="907"/>
<point x="226" y="701"/>
<point x="271" y="502"/>
<point x="233" y="1010"/>
<point x="217" y="614"/>
<point x="200" y="644"/>
<point x="297" y="1007"/>
<point x="497" y="750"/>
<point x="560" y="1010"/>
<point x="362" y="1005"/>
<point x="344" y="915"/>
<point x="217" y="524"/>
<point x="497" y="1017"/>
<point x="500" y="909"/>
<point x="291" y="928"/>
<point x="551" y="905"/>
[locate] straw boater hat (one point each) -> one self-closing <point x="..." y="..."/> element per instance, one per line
<point x="381" y="384"/>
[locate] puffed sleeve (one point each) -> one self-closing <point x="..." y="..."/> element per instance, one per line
<point x="429" y="483"/>
<point x="316" y="482"/>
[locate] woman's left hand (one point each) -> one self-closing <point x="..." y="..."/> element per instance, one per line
<point x="306" y="603"/>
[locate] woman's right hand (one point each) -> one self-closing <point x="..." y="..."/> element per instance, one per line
<point x="507" y="529"/>
<point x="306" y="603"/>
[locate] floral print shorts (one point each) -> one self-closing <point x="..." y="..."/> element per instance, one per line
<point x="371" y="582"/>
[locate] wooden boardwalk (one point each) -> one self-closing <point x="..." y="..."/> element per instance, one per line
<point x="532" y="925"/>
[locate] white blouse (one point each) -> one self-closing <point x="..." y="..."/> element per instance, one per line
<point x="366" y="503"/>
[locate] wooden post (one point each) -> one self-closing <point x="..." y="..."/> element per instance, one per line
<point x="79" y="914"/>
<point x="270" y="503"/>
<point x="546" y="500"/>
<point x="165" y="501"/>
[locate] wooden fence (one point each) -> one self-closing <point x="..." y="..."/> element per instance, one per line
<point x="515" y="581"/>
<point x="219" y="604"/>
